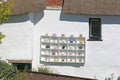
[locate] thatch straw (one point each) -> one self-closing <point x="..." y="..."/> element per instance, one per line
<point x="26" y="6"/>
<point x="93" y="7"/>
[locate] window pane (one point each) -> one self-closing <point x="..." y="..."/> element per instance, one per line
<point x="22" y="66"/>
<point x="95" y="29"/>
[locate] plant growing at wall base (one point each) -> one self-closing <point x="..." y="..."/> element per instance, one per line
<point x="44" y="69"/>
<point x="5" y="68"/>
<point x="8" y="72"/>
<point x="18" y="75"/>
<point x="118" y="78"/>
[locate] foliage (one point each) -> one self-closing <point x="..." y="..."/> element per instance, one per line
<point x="44" y="69"/>
<point x="5" y="12"/>
<point x="1" y="36"/>
<point x="118" y="78"/>
<point x="8" y="72"/>
<point x="4" y="68"/>
<point x="111" y="77"/>
<point x="18" y="75"/>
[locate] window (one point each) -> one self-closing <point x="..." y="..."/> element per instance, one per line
<point x="94" y="29"/>
<point x="22" y="66"/>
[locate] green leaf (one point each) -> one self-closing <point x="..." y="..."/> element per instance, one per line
<point x="5" y="11"/>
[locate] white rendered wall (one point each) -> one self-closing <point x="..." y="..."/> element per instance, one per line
<point x="17" y="43"/>
<point x="22" y="41"/>
<point x="102" y="57"/>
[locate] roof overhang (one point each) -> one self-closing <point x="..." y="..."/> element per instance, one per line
<point x="92" y="7"/>
<point x="26" y="6"/>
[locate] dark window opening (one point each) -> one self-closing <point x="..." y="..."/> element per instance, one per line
<point x="94" y="29"/>
<point x="22" y="66"/>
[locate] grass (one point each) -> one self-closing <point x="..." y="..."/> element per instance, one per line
<point x="44" y="69"/>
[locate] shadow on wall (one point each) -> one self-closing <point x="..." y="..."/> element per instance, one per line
<point x="18" y="18"/>
<point x="75" y="18"/>
<point x="111" y="20"/>
<point x="33" y="17"/>
<point x="36" y="17"/>
<point x="85" y="18"/>
<point x="63" y="64"/>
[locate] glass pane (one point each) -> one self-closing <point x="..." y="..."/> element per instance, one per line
<point x="95" y="28"/>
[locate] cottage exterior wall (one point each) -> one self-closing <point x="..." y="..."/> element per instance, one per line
<point x="17" y="43"/>
<point x="102" y="57"/>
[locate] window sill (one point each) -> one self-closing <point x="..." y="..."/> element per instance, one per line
<point x="94" y="40"/>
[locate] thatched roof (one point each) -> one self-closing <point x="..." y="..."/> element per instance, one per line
<point x="26" y="6"/>
<point x="93" y="7"/>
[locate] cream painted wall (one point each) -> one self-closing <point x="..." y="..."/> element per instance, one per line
<point x="23" y="34"/>
<point x="18" y="41"/>
<point x="102" y="57"/>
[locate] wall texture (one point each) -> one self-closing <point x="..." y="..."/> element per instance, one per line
<point x="101" y="56"/>
<point x="18" y="41"/>
<point x="22" y="41"/>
